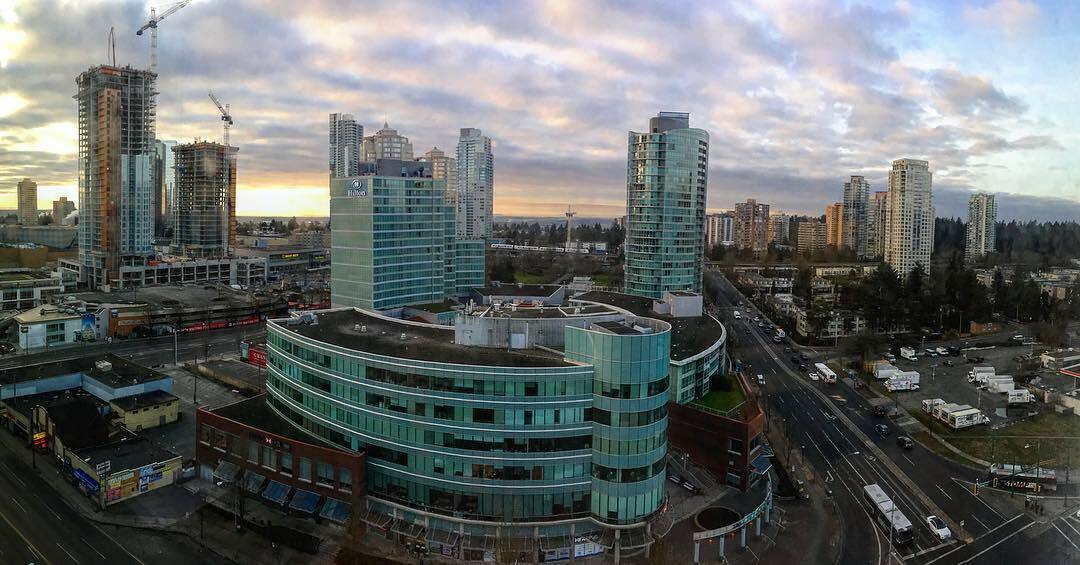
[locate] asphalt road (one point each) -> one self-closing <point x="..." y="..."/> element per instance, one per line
<point x="38" y="526"/>
<point x="148" y="351"/>
<point x="840" y="456"/>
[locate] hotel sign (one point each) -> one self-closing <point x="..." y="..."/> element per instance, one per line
<point x="357" y="188"/>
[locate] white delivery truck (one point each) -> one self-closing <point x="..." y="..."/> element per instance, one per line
<point x="941" y="411"/>
<point x="897" y="385"/>
<point x="827" y="374"/>
<point x="1020" y="396"/>
<point x="885" y="372"/>
<point x="942" y="351"/>
<point x="1000" y="384"/>
<point x="929" y="404"/>
<point x="966" y="418"/>
<point x="979" y="374"/>
<point x="908" y="353"/>
<point x="912" y="376"/>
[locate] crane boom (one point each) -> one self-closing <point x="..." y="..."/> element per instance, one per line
<point x="152" y="25"/>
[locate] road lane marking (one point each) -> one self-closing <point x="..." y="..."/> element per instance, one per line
<point x="943" y="492"/>
<point x="991" y="508"/>
<point x="12" y="475"/>
<point x="18" y="532"/>
<point x="62" y="548"/>
<point x="976" y="518"/>
<point x="1032" y="523"/>
<point x="908" y="459"/>
<point x="93" y="548"/>
<point x="21" y="507"/>
<point x="1066" y="522"/>
<point x="1065" y="536"/>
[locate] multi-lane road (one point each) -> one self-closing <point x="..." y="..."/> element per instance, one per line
<point x="835" y="429"/>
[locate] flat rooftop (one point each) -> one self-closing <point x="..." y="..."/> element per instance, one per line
<point x="144" y="400"/>
<point x="123" y="372"/>
<point x="131" y="452"/>
<point x="422" y="342"/>
<point x="78" y="415"/>
<point x="44" y="314"/>
<point x="542" y="312"/>
<point x="181" y="297"/>
<point x="513" y="289"/>
<point x="254" y="412"/>
<point x="689" y="335"/>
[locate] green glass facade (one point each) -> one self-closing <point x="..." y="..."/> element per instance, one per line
<point x="393" y="244"/>
<point x="546" y="441"/>
<point x="666" y="182"/>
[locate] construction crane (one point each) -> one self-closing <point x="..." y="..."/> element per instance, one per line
<point x="227" y="122"/>
<point x="152" y="24"/>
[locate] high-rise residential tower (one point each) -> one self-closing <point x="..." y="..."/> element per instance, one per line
<point x="28" y="207"/>
<point x="346" y="137"/>
<point x="909" y="226"/>
<point x="444" y="168"/>
<point x="853" y="226"/>
<point x="476" y="184"/>
<point x="61" y="209"/>
<point x="204" y="212"/>
<point x="811" y="236"/>
<point x="718" y="230"/>
<point x="876" y="211"/>
<point x="666" y="184"/>
<point x="981" y="226"/>
<point x="751" y="226"/>
<point x="834" y="224"/>
<point x="117" y="115"/>
<point x="164" y="186"/>
<point x="387" y="143"/>
<point x="780" y="229"/>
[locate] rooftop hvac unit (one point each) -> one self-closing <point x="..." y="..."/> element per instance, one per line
<point x="103" y="366"/>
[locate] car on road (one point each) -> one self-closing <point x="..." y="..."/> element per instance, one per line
<point x="937" y="525"/>
<point x="814" y="376"/>
<point x="737" y="315"/>
<point x="905" y="442"/>
<point x="883" y="430"/>
<point x="761" y="380"/>
<point x="757" y="318"/>
<point x="746" y="330"/>
<point x="948" y="363"/>
<point x="787" y="350"/>
<point x="795" y="359"/>
<point x="1018" y="337"/>
<point x="953" y="350"/>
<point x="802" y="366"/>
<point x="942" y="351"/>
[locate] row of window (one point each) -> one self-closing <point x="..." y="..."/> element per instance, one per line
<point x="628" y="419"/>
<point x="277" y="460"/>
<point x="631" y="475"/>
<point x="614" y="390"/>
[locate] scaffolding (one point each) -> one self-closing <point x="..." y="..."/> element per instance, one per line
<point x="204" y="211"/>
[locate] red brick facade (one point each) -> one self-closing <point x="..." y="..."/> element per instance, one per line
<point x="280" y="458"/>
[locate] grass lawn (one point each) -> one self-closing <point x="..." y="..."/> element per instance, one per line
<point x="1060" y="433"/>
<point x="523" y="277"/>
<point x="603" y="279"/>
<point x="722" y="400"/>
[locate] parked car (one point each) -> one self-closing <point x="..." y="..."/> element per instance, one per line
<point x="937" y="525"/>
<point x="948" y="363"/>
<point x="761" y="380"/>
<point x="883" y="430"/>
<point x="802" y="367"/>
<point x="905" y="442"/>
<point x="1018" y="337"/>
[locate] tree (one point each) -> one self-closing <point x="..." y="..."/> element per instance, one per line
<point x="45" y="219"/>
<point x="502" y="270"/>
<point x="292" y="226"/>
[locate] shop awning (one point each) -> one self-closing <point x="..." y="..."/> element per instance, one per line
<point x="445" y="537"/>
<point x="761" y="464"/>
<point x="226" y="471"/>
<point x="276" y="492"/>
<point x="253" y="482"/>
<point x="304" y="501"/>
<point x="336" y="510"/>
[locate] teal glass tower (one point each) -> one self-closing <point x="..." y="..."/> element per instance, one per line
<point x="393" y="236"/>
<point x="667" y="172"/>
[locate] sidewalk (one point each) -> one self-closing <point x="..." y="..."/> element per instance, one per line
<point x="172" y="509"/>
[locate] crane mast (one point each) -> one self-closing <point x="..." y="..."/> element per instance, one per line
<point x="227" y="122"/>
<point x="152" y="25"/>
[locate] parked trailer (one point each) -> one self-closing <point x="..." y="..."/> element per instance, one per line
<point x="980" y="374"/>
<point x="1000" y="384"/>
<point x="908" y="353"/>
<point x="912" y="376"/>
<point x="966" y="418"/>
<point x="941" y="411"/>
<point x="885" y="371"/>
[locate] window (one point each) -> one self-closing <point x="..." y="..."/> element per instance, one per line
<point x="484" y="415"/>
<point x="345" y="479"/>
<point x="735" y="445"/>
<point x="253" y="452"/>
<point x="326" y="474"/>
<point x="286" y="463"/>
<point x="305" y="469"/>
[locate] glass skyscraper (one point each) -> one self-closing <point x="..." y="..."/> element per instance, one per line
<point x="666" y="183"/>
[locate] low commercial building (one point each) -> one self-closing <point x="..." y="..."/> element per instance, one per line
<point x="250" y="445"/>
<point x="21" y="289"/>
<point x="292" y="262"/>
<point x="170" y="270"/>
<point x="49" y="326"/>
<point x="146" y="410"/>
<point x="127" y="468"/>
<point x="107" y="377"/>
<point x="53" y="237"/>
<point x="836" y="323"/>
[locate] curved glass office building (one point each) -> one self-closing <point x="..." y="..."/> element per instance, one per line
<point x="468" y="438"/>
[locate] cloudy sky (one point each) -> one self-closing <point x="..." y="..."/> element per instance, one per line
<point x="795" y="94"/>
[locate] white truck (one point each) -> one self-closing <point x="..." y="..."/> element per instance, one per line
<point x="941" y="411"/>
<point x="1020" y="396"/>
<point x="885" y="371"/>
<point x="899" y="384"/>
<point x="1000" y="384"/>
<point x="827" y="374"/>
<point x="929" y="404"/>
<point x="966" y="418"/>
<point x="979" y="375"/>
<point x="908" y="353"/>
<point x="912" y="376"/>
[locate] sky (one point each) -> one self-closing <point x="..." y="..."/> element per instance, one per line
<point x="795" y="94"/>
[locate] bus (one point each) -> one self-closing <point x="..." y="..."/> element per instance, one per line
<point x="827" y="374"/>
<point x="888" y="515"/>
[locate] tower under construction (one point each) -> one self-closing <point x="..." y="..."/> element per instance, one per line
<point x="204" y="205"/>
<point x="117" y="115"/>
